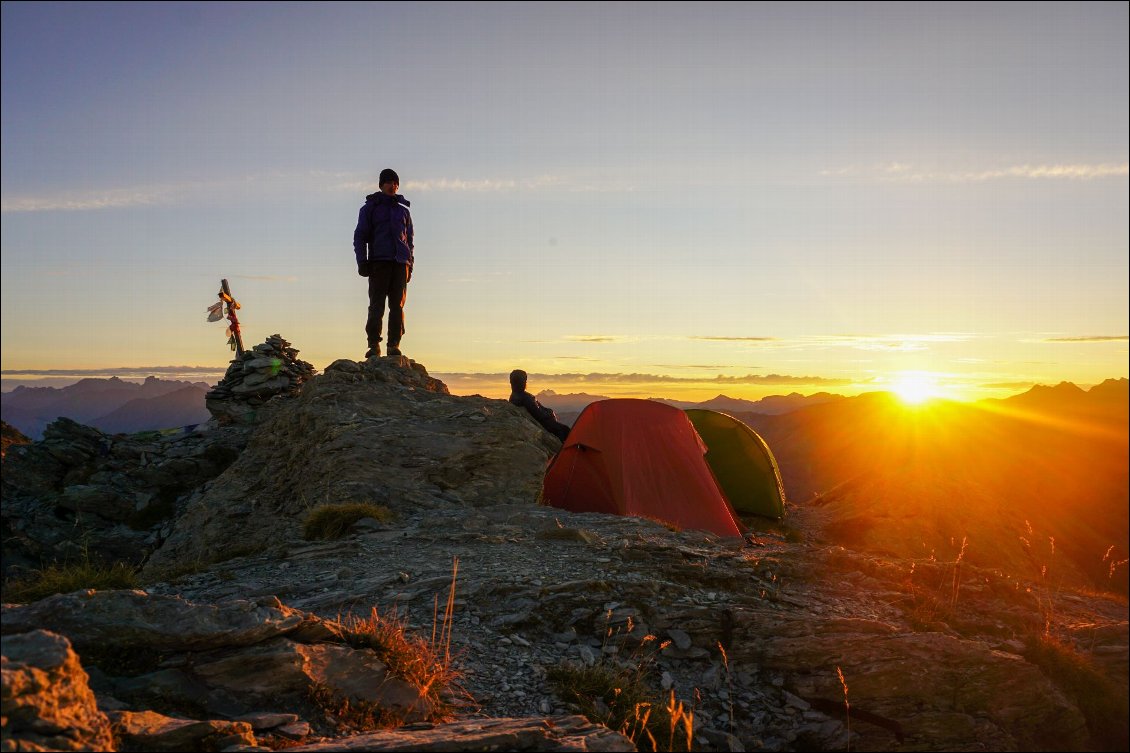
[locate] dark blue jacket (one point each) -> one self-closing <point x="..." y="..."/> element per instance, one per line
<point x="384" y="230"/>
<point x="533" y="407"/>
<point x="543" y="415"/>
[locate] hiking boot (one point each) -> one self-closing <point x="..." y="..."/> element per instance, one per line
<point x="374" y="350"/>
<point x="394" y="350"/>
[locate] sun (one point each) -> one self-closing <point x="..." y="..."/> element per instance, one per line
<point x="915" y="387"/>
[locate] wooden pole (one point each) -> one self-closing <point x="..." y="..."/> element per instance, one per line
<point x="228" y="302"/>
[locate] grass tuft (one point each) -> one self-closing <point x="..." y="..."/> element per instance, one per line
<point x="427" y="665"/>
<point x="332" y="521"/>
<point x="934" y="586"/>
<point x="617" y="695"/>
<point x="620" y="699"/>
<point x="61" y="579"/>
<point x="1104" y="704"/>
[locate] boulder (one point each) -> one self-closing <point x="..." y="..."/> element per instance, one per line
<point x="45" y="702"/>
<point x="282" y="669"/>
<point x="150" y="731"/>
<point x="382" y="431"/>
<point x="80" y="493"/>
<point x="231" y="658"/>
<point x="138" y="621"/>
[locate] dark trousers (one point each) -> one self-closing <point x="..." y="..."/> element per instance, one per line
<point x="387" y="280"/>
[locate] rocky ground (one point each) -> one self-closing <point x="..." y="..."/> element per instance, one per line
<point x="782" y="641"/>
<point x="537" y="586"/>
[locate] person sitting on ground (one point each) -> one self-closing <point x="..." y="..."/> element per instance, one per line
<point x="544" y="416"/>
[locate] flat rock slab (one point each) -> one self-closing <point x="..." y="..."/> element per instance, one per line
<point x="168" y="623"/>
<point x="148" y="730"/>
<point x="560" y="733"/>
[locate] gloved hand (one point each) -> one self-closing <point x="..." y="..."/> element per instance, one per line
<point x="363" y="268"/>
<point x="409" y="278"/>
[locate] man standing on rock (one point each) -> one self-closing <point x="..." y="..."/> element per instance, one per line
<point x="383" y="246"/>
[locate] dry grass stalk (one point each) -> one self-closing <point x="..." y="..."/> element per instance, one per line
<point x="1114" y="564"/>
<point x="427" y="665"/>
<point x="847" y="705"/>
<point x="729" y="684"/>
<point x="617" y="695"/>
<point x="1044" y="593"/>
<point x="956" y="585"/>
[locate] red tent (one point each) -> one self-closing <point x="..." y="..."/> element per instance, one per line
<point x="638" y="457"/>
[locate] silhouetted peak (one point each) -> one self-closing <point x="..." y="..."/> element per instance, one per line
<point x="1063" y="388"/>
<point x="1111" y="388"/>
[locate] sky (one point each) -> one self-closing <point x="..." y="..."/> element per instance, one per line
<point x="640" y="199"/>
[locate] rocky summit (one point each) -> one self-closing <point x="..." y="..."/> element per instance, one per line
<point x="241" y="627"/>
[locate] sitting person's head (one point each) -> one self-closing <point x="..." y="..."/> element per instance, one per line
<point x="518" y="380"/>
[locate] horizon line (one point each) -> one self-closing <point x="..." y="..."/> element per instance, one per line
<point x="599" y="381"/>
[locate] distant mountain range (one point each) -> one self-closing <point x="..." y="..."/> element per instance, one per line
<point x="569" y="406"/>
<point x="1037" y="480"/>
<point x="1066" y="399"/>
<point x="112" y="405"/>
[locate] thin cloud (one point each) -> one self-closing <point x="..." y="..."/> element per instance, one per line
<point x="781" y="379"/>
<point x="891" y="343"/>
<point x="80" y="202"/>
<point x="1009" y="385"/>
<point x="1072" y="172"/>
<point x="899" y="172"/>
<point x="895" y="168"/>
<point x="886" y="343"/>
<point x="711" y="366"/>
<point x="124" y="372"/>
<point x="456" y="185"/>
<point x="482" y="186"/>
<point x="1088" y="339"/>
<point x="267" y="278"/>
<point x="595" y="338"/>
<point x="642" y="379"/>
<point x="158" y="194"/>
<point x="267" y="184"/>
<point x="734" y="339"/>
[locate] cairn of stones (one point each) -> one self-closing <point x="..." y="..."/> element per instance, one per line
<point x="261" y="373"/>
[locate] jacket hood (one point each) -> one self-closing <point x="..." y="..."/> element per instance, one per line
<point x="382" y="196"/>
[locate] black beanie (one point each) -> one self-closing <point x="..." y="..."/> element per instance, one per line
<point x="388" y="174"/>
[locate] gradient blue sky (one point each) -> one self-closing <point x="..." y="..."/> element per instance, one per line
<point x="634" y="199"/>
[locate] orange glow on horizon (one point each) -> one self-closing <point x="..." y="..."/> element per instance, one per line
<point x="1074" y="425"/>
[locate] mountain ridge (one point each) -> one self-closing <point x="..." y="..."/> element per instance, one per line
<point x="102" y="403"/>
<point x="777" y="620"/>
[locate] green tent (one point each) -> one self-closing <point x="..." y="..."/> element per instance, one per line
<point x="742" y="463"/>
